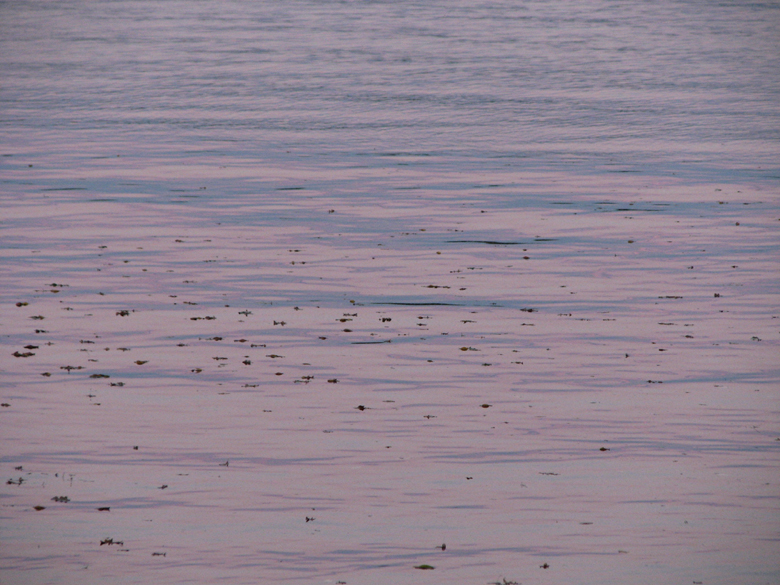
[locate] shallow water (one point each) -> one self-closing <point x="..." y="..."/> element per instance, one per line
<point x="313" y="288"/>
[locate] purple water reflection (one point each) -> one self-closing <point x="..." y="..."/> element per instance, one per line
<point x="301" y="292"/>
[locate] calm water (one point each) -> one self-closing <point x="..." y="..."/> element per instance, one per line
<point x="657" y="87"/>
<point x="299" y="291"/>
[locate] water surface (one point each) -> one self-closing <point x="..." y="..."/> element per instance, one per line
<point x="300" y="291"/>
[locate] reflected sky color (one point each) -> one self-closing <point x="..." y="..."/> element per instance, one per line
<point x="302" y="290"/>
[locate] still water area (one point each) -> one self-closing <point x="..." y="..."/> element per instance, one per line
<point x="373" y="292"/>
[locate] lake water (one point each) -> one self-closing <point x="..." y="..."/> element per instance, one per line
<point x="301" y="291"/>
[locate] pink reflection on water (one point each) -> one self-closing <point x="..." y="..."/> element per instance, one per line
<point x="595" y="407"/>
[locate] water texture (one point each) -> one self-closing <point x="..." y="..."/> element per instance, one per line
<point x="326" y="292"/>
